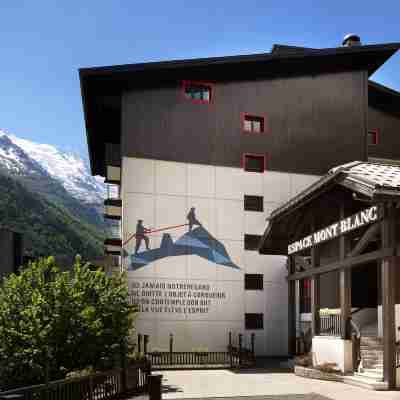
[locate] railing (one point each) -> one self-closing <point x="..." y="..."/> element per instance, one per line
<point x="217" y="359"/>
<point x="99" y="386"/>
<point x="137" y="376"/>
<point x="330" y="325"/>
<point x="113" y="192"/>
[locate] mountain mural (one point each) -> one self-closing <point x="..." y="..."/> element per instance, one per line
<point x="51" y="197"/>
<point x="197" y="242"/>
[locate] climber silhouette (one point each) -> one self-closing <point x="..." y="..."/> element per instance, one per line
<point x="191" y="217"/>
<point x="141" y="235"/>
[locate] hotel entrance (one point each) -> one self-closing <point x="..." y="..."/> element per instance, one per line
<point x="341" y="236"/>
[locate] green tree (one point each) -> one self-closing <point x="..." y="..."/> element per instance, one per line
<point x="53" y="322"/>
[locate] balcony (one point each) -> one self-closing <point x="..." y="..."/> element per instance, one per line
<point x="113" y="241"/>
<point x="113" y="203"/>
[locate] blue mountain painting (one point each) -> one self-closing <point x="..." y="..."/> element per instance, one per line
<point x="196" y="242"/>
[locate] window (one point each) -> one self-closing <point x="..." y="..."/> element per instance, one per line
<point x="254" y="321"/>
<point x="254" y="162"/>
<point x="253" y="203"/>
<point x="198" y="92"/>
<point x="253" y="282"/>
<point x="252" y="123"/>
<point x="305" y="295"/>
<point x="373" y="136"/>
<point x="251" y="242"/>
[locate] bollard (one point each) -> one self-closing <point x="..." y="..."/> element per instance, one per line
<point x="145" y="343"/>
<point x="155" y="387"/>
<point x="240" y="348"/>
<point x="171" y="346"/>
<point x="139" y="340"/>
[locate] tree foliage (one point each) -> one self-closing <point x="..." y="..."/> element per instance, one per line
<point x="53" y="322"/>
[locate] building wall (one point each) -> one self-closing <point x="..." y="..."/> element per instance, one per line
<point x="11" y="250"/>
<point x="313" y="123"/>
<point x="161" y="194"/>
<point x="388" y="125"/>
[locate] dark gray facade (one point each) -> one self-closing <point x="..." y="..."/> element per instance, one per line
<point x="312" y="122"/>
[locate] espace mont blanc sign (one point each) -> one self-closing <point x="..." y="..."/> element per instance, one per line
<point x="345" y="225"/>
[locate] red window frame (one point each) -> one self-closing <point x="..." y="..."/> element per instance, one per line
<point x="210" y="86"/>
<point x="261" y="117"/>
<point x="245" y="155"/>
<point x="375" y="132"/>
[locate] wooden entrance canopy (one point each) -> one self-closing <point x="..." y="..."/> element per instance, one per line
<point x="348" y="218"/>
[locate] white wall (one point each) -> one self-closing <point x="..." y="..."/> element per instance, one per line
<point x="161" y="193"/>
<point x="333" y="350"/>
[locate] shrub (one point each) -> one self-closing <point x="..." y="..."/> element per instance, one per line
<point x="53" y="322"/>
<point x="328" y="367"/>
<point x="304" y="360"/>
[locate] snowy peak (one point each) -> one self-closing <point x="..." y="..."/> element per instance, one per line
<point x="21" y="156"/>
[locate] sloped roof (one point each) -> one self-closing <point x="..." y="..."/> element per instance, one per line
<point x="366" y="177"/>
<point x="375" y="181"/>
<point x="101" y="87"/>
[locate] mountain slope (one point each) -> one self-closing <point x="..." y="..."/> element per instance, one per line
<point x="61" y="202"/>
<point x="47" y="228"/>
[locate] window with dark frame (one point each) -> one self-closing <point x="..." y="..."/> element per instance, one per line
<point x="253" y="321"/>
<point x="254" y="162"/>
<point x="305" y="295"/>
<point x="253" y="203"/>
<point x="373" y="136"/>
<point x="253" y="282"/>
<point x="253" y="123"/>
<point x="197" y="92"/>
<point x="251" y="242"/>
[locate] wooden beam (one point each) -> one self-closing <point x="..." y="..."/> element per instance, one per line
<point x="291" y="311"/>
<point x="388" y="271"/>
<point x="302" y="262"/>
<point x="369" y="234"/>
<point x="389" y="266"/>
<point x="344" y="284"/>
<point x="315" y="293"/>
<point x="346" y="263"/>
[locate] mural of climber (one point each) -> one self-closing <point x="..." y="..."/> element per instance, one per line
<point x="196" y="241"/>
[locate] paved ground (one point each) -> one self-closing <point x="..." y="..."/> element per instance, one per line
<point x="259" y="384"/>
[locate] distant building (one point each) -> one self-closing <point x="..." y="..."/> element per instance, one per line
<point x="233" y="138"/>
<point x="11" y="250"/>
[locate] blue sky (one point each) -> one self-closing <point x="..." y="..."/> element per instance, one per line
<point x="43" y="43"/>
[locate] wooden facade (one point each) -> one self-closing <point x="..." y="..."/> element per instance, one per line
<point x="348" y="258"/>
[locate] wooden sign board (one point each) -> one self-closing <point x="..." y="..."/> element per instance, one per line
<point x="332" y="231"/>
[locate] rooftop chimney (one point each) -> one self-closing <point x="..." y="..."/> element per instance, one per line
<point x="351" y="40"/>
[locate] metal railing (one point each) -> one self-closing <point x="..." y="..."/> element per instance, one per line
<point x="113" y="191"/>
<point x="330" y="325"/>
<point x="217" y="359"/>
<point x="99" y="386"/>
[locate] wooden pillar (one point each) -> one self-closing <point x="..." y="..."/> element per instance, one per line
<point x="291" y="309"/>
<point x="388" y="271"/>
<point x="345" y="285"/>
<point x="345" y="301"/>
<point x="315" y="294"/>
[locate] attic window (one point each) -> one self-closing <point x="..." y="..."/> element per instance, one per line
<point x="252" y="123"/>
<point x="373" y="136"/>
<point x="197" y="92"/>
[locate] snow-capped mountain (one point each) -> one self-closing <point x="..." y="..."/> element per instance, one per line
<point x="24" y="157"/>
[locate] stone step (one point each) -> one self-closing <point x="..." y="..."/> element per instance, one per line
<point x="378" y="371"/>
<point x="370" y="375"/>
<point x="365" y="382"/>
